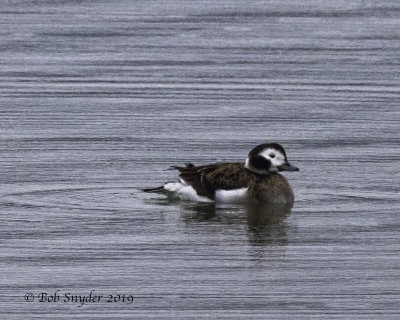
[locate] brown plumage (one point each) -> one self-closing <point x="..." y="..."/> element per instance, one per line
<point x="256" y="180"/>
<point x="207" y="179"/>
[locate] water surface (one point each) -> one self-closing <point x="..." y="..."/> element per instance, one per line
<point x="98" y="99"/>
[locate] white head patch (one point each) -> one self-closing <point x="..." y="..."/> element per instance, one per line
<point x="275" y="157"/>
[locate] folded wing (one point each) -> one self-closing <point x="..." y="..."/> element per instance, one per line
<point x="206" y="179"/>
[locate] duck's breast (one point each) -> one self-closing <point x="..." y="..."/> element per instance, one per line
<point x="273" y="188"/>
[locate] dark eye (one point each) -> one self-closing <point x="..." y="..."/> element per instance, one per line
<point x="272" y="155"/>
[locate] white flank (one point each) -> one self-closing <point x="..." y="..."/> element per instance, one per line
<point x="185" y="192"/>
<point x="188" y="193"/>
<point x="235" y="195"/>
<point x="174" y="186"/>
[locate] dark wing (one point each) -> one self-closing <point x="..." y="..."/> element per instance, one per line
<point x="206" y="179"/>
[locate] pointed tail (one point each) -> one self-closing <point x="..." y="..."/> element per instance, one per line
<point x="157" y="189"/>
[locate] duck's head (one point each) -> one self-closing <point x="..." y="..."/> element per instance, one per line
<point x="268" y="158"/>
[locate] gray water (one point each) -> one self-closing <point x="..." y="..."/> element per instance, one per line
<point x="99" y="98"/>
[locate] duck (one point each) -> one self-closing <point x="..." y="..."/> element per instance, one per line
<point x="256" y="180"/>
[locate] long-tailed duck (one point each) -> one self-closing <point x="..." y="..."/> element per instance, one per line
<point x="255" y="181"/>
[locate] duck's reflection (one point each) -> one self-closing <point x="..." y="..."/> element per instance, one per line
<point x="266" y="224"/>
<point x="267" y="231"/>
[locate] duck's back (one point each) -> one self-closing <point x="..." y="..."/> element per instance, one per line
<point x="220" y="176"/>
<point x="215" y="179"/>
<point x="228" y="176"/>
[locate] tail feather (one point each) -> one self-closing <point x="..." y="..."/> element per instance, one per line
<point x="189" y="166"/>
<point x="157" y="189"/>
<point x="188" y="175"/>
